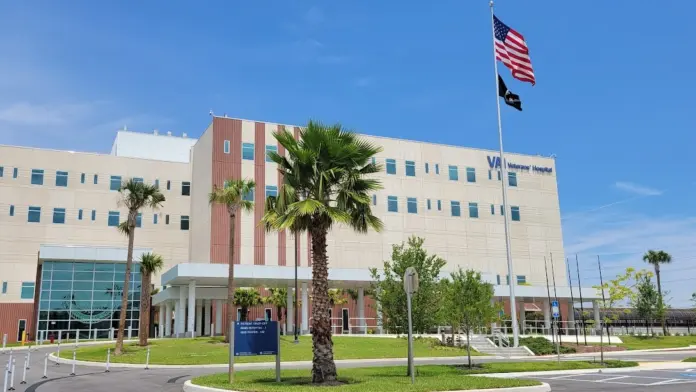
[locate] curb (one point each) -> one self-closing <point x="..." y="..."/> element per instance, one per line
<point x="544" y="387"/>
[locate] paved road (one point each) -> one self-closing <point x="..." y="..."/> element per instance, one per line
<point x="643" y="381"/>
<point x="90" y="379"/>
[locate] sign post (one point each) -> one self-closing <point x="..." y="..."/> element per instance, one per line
<point x="556" y="314"/>
<point x="256" y="338"/>
<point x="410" y="286"/>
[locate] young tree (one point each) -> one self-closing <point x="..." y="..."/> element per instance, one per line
<point x="134" y="195"/>
<point x="232" y="196"/>
<point x="657" y="258"/>
<point x="647" y="299"/>
<point x="618" y="291"/>
<point x="150" y="263"/>
<point x="389" y="287"/>
<point x="278" y="297"/>
<point x="467" y="303"/>
<point x="326" y="181"/>
<point x="245" y="299"/>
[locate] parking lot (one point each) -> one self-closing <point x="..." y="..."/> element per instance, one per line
<point x="643" y="381"/>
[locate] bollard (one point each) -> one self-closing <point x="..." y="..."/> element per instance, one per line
<point x="4" y="341"/>
<point x="58" y="354"/>
<point x="4" y="383"/>
<point x="95" y="334"/>
<point x="108" y="358"/>
<point x="77" y="337"/>
<point x="74" y="354"/>
<point x="147" y="359"/>
<point x="130" y="331"/>
<point x="12" y="388"/>
<point x="60" y="336"/>
<point x="111" y="333"/>
<point x="28" y="358"/>
<point x="24" y="372"/>
<point x="9" y="361"/>
<point x="45" y="366"/>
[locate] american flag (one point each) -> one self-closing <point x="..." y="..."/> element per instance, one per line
<point x="511" y="49"/>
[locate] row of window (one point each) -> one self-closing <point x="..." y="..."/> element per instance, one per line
<point x="114" y="217"/>
<point x="248" y="150"/>
<point x="455" y="207"/>
<point x="521" y="279"/>
<point x="452" y="170"/>
<point x="37" y="178"/>
<point x="27" y="290"/>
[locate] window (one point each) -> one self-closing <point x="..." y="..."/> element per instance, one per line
<point x="226" y="147"/>
<point x="115" y="183"/>
<point x="439" y="205"/>
<point x="515" y="213"/>
<point x="186" y="188"/>
<point x="497" y="279"/>
<point x="94" y="215"/>
<point x="492" y="209"/>
<point x="4" y="287"/>
<point x="169" y="185"/>
<point x="427" y="169"/>
<point x="391" y="166"/>
<point x="270" y="149"/>
<point x="521" y="279"/>
<point x="82" y="178"/>
<point x="473" y="210"/>
<point x="34" y="215"/>
<point x="374" y="200"/>
<point x="11" y="210"/>
<point x="437" y="168"/>
<point x="453" y="173"/>
<point x="96" y="179"/>
<point x="499" y="175"/>
<point x="59" y="215"/>
<point x="392" y="204"/>
<point x="114" y="217"/>
<point x="27" y="290"/>
<point x="36" y="176"/>
<point x="166" y="219"/>
<point x="374" y="160"/>
<point x="157" y="183"/>
<point x="248" y="151"/>
<point x="79" y="214"/>
<point x="138" y="180"/>
<point x="456" y="208"/>
<point x="139" y="220"/>
<point x="15" y="172"/>
<point x="412" y="205"/>
<point x="249" y="196"/>
<point x="502" y="210"/>
<point x="470" y="174"/>
<point x="410" y="168"/>
<point x="428" y="203"/>
<point x="271" y="190"/>
<point x="490" y="175"/>
<point x="2" y="171"/>
<point x="154" y="219"/>
<point x="512" y="179"/>
<point x="184" y="222"/>
<point x="62" y="178"/>
<point x="507" y="280"/>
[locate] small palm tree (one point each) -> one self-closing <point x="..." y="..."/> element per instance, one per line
<point x="325" y="182"/>
<point x="150" y="263"/>
<point x="134" y="196"/>
<point x="232" y="196"/>
<point x="279" y="298"/>
<point x="657" y="258"/>
<point x="245" y="299"/>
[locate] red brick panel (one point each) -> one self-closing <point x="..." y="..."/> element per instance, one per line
<point x="10" y="314"/>
<point x="282" y="236"/>
<point x="260" y="194"/>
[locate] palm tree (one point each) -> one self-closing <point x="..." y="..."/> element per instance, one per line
<point x="232" y="196"/>
<point x="656" y="258"/>
<point x="325" y="182"/>
<point x="279" y="298"/>
<point x="245" y="299"/>
<point x="150" y="263"/>
<point x="134" y="196"/>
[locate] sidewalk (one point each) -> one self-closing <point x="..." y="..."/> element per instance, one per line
<point x="640" y="367"/>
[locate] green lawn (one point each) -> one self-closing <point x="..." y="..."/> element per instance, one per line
<point x="388" y="379"/>
<point x="646" y="343"/>
<point x="692" y="359"/>
<point x="542" y="366"/>
<point x="202" y="351"/>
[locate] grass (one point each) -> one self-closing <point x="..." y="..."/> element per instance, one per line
<point x="647" y="343"/>
<point x="387" y="379"/>
<point x="542" y="366"/>
<point x="692" y="359"/>
<point x="204" y="351"/>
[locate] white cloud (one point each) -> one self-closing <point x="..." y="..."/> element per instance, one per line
<point x="637" y="189"/>
<point x="28" y="114"/>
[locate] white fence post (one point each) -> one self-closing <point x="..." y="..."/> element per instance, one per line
<point x="45" y="366"/>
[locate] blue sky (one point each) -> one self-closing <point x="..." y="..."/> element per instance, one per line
<point x="612" y="99"/>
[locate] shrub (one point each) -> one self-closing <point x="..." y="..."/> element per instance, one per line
<point x="542" y="346"/>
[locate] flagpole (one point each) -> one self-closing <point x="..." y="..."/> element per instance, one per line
<point x="504" y="179"/>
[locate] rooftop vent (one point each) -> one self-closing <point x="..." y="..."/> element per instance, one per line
<point x="184" y="135"/>
<point x="169" y="133"/>
<point x="156" y="132"/>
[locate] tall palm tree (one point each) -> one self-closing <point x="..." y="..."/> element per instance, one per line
<point x="657" y="258"/>
<point x="150" y="263"/>
<point x="134" y="196"/>
<point x="326" y="181"/>
<point x="245" y="299"/>
<point x="232" y="196"/>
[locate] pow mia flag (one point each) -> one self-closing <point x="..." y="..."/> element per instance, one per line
<point x="510" y="98"/>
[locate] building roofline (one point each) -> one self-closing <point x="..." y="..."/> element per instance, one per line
<point x="90" y="153"/>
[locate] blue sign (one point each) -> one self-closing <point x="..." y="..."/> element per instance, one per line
<point x="255" y="338"/>
<point x="555" y="309"/>
<point x="688" y="374"/>
<point x="494" y="163"/>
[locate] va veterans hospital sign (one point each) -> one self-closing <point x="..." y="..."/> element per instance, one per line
<point x="494" y="163"/>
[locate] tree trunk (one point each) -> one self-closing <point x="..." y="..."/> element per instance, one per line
<point x="454" y="344"/>
<point x="230" y="292"/>
<point x="126" y="283"/>
<point x="323" y="366"/>
<point x="144" y="327"/>
<point x="468" y="347"/>
<point x="661" y="307"/>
